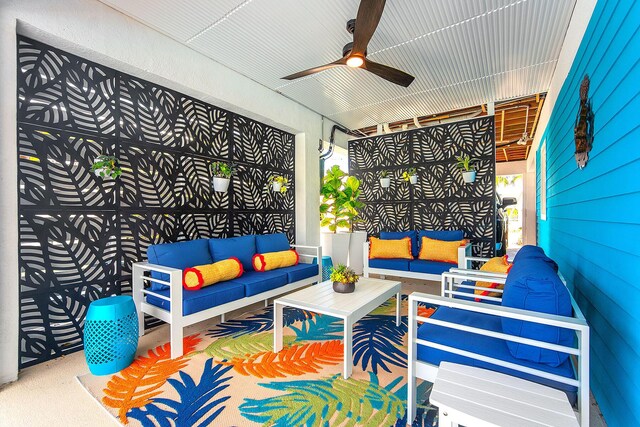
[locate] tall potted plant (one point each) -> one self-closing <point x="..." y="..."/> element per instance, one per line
<point x="466" y="164"/>
<point x="221" y="175"/>
<point x="338" y="212"/>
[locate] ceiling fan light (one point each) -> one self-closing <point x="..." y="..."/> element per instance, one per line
<point x="355" y="61"/>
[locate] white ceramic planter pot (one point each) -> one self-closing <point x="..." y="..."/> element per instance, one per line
<point x="413" y="179"/>
<point x="385" y="182"/>
<point x="356" y="244"/>
<point x="221" y="184"/>
<point x="469" y="176"/>
<point x="101" y="170"/>
<point x="276" y="187"/>
<point x="336" y="245"/>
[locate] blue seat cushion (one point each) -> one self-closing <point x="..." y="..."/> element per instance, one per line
<point x="429" y="267"/>
<point x="397" y="235"/>
<point x="272" y="243"/>
<point x="533" y="284"/>
<point x="243" y="248"/>
<point x="299" y="272"/>
<point x="202" y="299"/>
<point x="177" y="255"/>
<point x="483" y="345"/>
<point x="390" y="263"/>
<point x="256" y="282"/>
<point x="471" y="296"/>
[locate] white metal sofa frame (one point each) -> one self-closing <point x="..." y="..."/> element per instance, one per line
<point x="174" y="315"/>
<point x="464" y="254"/>
<point x="426" y="371"/>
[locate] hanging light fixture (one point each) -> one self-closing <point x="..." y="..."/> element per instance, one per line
<point x="524" y="139"/>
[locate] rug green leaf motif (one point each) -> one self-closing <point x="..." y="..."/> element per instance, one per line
<point x="328" y="402"/>
<point x="242" y="346"/>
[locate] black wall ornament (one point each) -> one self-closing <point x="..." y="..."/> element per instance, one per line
<point x="583" y="130"/>
<point x="79" y="233"/>
<point x="439" y="200"/>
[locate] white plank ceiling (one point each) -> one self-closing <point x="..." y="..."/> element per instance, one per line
<point x="462" y="52"/>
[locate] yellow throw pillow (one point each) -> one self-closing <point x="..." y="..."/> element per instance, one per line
<point x="380" y="248"/>
<point x="195" y="278"/>
<point x="440" y="250"/>
<point x="497" y="264"/>
<point x="272" y="260"/>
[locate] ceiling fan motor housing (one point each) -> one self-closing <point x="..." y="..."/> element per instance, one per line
<point x="351" y="26"/>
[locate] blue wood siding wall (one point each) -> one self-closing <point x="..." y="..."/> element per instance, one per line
<point x="593" y="215"/>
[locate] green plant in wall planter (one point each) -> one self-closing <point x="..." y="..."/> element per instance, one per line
<point x="279" y="184"/>
<point x="466" y="164"/>
<point x="410" y="175"/>
<point x="222" y="173"/>
<point x="106" y="167"/>
<point x="385" y="180"/>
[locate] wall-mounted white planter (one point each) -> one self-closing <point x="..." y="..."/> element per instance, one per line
<point x="413" y="179"/>
<point x="385" y="182"/>
<point x="276" y="187"/>
<point x="102" y="170"/>
<point x="221" y="184"/>
<point x="469" y="176"/>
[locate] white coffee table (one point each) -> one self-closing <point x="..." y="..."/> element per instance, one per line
<point x="320" y="298"/>
<point x="479" y="397"/>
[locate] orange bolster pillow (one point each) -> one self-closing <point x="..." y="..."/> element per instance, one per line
<point x="195" y="278"/>
<point x="494" y="265"/>
<point x="440" y="250"/>
<point x="272" y="260"/>
<point x="380" y="248"/>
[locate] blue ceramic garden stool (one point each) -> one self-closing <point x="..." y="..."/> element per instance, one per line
<point x="327" y="265"/>
<point x="110" y="334"/>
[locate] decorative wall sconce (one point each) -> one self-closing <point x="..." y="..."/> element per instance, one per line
<point x="583" y="131"/>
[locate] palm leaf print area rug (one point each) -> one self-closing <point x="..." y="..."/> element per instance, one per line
<point x="230" y="376"/>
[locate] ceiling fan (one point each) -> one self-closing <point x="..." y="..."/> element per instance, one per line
<point x="355" y="54"/>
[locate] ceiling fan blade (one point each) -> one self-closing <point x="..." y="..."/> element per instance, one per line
<point x="341" y="61"/>
<point x="369" y="14"/>
<point x="391" y="74"/>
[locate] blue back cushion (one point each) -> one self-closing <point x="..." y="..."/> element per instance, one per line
<point x="533" y="284"/>
<point x="397" y="235"/>
<point x="446" y="235"/>
<point x="534" y="252"/>
<point x="177" y="255"/>
<point x="272" y="243"/>
<point x="243" y="248"/>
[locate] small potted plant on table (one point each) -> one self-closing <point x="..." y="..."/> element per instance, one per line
<point x="279" y="183"/>
<point x="385" y="180"/>
<point x="344" y="279"/>
<point x="411" y="176"/>
<point x="221" y="175"/>
<point x="106" y="167"/>
<point x="467" y="166"/>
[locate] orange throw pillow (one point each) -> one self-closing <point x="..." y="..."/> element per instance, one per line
<point x="379" y="248"/>
<point x="440" y="250"/>
<point x="494" y="265"/>
<point x="272" y="260"/>
<point x="197" y="277"/>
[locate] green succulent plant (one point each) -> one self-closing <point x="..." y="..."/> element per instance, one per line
<point x="466" y="163"/>
<point x="343" y="274"/>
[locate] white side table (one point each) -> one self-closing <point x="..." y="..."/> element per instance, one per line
<point x="320" y="298"/>
<point x="479" y="397"/>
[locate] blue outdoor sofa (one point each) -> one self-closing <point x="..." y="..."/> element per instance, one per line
<point x="162" y="275"/>
<point x="535" y="331"/>
<point x="416" y="268"/>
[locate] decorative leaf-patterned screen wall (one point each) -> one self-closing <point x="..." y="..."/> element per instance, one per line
<point x="440" y="200"/>
<point x="79" y="233"/>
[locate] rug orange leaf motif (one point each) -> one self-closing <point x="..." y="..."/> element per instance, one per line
<point x="294" y="360"/>
<point x="136" y="385"/>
